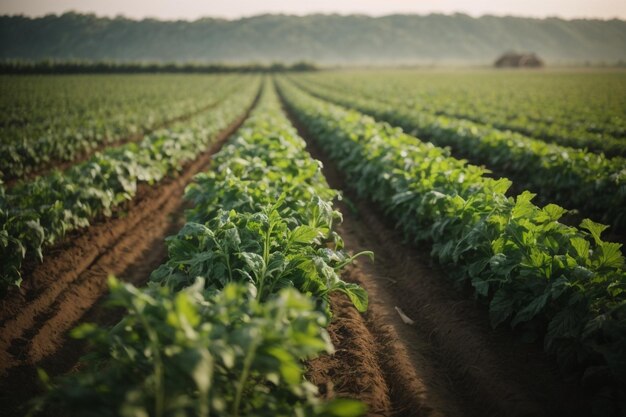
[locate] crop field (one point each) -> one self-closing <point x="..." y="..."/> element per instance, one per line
<point x="327" y="243"/>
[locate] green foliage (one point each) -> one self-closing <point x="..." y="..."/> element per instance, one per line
<point x="575" y="178"/>
<point x="263" y="216"/>
<point x="559" y="283"/>
<point x="199" y="353"/>
<point x="37" y="214"/>
<point x="582" y="110"/>
<point x="47" y="120"/>
<point x="264" y="249"/>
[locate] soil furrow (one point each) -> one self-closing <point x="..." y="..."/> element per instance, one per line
<point x="456" y="364"/>
<point x="91" y="284"/>
<point x="353" y="371"/>
<point x="21" y="383"/>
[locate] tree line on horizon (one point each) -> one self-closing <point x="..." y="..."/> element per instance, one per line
<point x="112" y="67"/>
<point x="324" y="39"/>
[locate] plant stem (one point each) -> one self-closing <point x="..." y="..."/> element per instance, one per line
<point x="158" y="366"/>
<point x="247" y="363"/>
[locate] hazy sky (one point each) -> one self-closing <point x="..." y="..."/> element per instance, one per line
<point x="193" y="9"/>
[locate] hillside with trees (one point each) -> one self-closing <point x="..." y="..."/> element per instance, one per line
<point x="325" y="39"/>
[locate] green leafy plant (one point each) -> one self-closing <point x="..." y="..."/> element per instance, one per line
<point x="261" y="249"/>
<point x="263" y="216"/>
<point x="200" y="353"/>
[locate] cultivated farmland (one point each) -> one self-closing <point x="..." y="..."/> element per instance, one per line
<point x="332" y="243"/>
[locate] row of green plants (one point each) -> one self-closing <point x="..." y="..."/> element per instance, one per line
<point x="37" y="214"/>
<point x="263" y="185"/>
<point x="583" y="111"/>
<point x="224" y="325"/>
<point x="560" y="284"/>
<point x="596" y="139"/>
<point x="590" y="183"/>
<point x="46" y="121"/>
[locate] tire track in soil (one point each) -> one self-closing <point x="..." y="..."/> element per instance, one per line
<point x="450" y="362"/>
<point x="65" y="289"/>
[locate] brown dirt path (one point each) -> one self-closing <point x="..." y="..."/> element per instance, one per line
<point x="449" y="362"/>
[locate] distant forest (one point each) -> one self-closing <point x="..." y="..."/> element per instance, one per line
<point x="112" y="67"/>
<point x="324" y="39"/>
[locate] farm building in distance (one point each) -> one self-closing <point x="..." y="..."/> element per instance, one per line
<point x="515" y="60"/>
